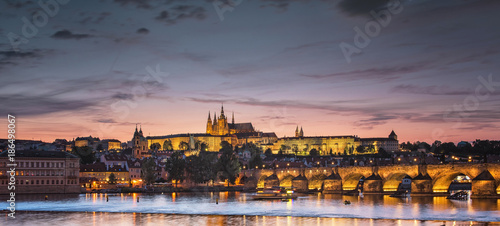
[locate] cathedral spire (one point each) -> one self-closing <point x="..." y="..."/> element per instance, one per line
<point x="222" y="110"/>
<point x="209" y="116"/>
<point x="233" y="118"/>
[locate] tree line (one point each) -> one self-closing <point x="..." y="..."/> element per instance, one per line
<point x="205" y="167"/>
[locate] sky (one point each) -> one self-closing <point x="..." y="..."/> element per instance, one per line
<point x="426" y="69"/>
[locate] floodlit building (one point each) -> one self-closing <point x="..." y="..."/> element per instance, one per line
<point x="41" y="172"/>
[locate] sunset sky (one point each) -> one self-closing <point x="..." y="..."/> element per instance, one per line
<point x="431" y="73"/>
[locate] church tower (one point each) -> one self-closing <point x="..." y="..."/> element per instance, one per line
<point x="299" y="133"/>
<point x="209" y="124"/>
<point x="222" y="123"/>
<point x="215" y="127"/>
<point x="139" y="143"/>
<point x="393" y="135"/>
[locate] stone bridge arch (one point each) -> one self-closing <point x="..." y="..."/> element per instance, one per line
<point x="391" y="183"/>
<point x="351" y="176"/>
<point x="443" y="175"/>
<point x="316" y="177"/>
<point x="286" y="181"/>
<point x="436" y="178"/>
<point x="350" y="182"/>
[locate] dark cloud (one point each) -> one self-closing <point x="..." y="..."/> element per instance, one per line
<point x="335" y="107"/>
<point x="181" y="12"/>
<point x="12" y="58"/>
<point x="430" y="90"/>
<point x="361" y="7"/>
<point x="379" y="73"/>
<point x="142" y="4"/>
<point x="142" y="31"/>
<point x="13" y="54"/>
<point x="374" y="121"/>
<point x="18" y="4"/>
<point x="95" y="18"/>
<point x="281" y="5"/>
<point x="23" y="104"/>
<point x="123" y="96"/>
<point x="65" y="34"/>
<point x="478" y="56"/>
<point x="106" y="120"/>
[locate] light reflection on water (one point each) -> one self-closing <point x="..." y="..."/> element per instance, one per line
<point x="105" y="218"/>
<point x="194" y="208"/>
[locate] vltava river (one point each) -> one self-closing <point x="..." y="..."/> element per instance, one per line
<point x="237" y="208"/>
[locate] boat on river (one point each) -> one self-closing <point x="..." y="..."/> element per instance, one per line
<point x="275" y="193"/>
<point x="461" y="195"/>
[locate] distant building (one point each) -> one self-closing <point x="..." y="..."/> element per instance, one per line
<point x="111" y="144"/>
<point x="42" y="172"/>
<point x="139" y="144"/>
<point x="101" y="172"/>
<point x="114" y="159"/>
<point x="86" y="141"/>
<point x="389" y="144"/>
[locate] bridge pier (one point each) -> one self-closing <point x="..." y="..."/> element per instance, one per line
<point x="373" y="184"/>
<point x="300" y="183"/>
<point x="250" y="183"/>
<point x="333" y="184"/>
<point x="483" y="186"/>
<point x="421" y="185"/>
<point x="271" y="181"/>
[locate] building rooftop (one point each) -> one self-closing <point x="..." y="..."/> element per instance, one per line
<point x="319" y="137"/>
<point x="241" y="126"/>
<point x="115" y="157"/>
<point x="40" y="154"/>
<point x="95" y="167"/>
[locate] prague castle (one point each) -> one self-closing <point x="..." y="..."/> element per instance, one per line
<point x="221" y="127"/>
<point x="238" y="134"/>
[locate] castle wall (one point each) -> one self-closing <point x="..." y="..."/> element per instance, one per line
<point x="322" y="144"/>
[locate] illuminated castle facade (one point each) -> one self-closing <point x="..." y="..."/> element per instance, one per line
<point x="219" y="130"/>
<point x="220" y="126"/>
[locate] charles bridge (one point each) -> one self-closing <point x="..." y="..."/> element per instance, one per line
<point x="426" y="179"/>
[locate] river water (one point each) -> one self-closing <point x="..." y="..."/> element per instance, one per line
<point x="237" y="208"/>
